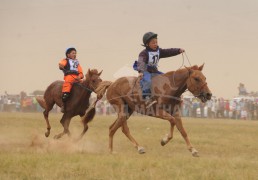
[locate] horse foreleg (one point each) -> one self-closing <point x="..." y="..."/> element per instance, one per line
<point x="181" y="129"/>
<point x="45" y="113"/>
<point x="65" y="121"/>
<point x="166" y="116"/>
<point x="85" y="128"/>
<point x="169" y="136"/>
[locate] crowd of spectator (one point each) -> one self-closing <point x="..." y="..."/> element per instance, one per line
<point x="19" y="103"/>
<point x="241" y="107"/>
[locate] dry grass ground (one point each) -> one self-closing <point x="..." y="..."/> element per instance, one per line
<point x="228" y="150"/>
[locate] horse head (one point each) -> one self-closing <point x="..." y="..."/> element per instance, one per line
<point x="196" y="83"/>
<point x="93" y="78"/>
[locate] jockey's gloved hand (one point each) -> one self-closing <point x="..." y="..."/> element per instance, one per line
<point x="61" y="67"/>
<point x="79" y="79"/>
<point x="181" y="50"/>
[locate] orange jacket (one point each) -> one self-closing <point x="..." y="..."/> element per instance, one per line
<point x="71" y="67"/>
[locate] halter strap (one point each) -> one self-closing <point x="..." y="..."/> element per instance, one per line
<point x="202" y="86"/>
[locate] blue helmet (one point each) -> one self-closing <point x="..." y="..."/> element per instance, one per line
<point x="68" y="50"/>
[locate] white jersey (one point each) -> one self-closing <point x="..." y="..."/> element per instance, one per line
<point x="73" y="64"/>
<point x="153" y="58"/>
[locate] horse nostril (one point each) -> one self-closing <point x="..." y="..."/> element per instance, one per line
<point x="209" y="95"/>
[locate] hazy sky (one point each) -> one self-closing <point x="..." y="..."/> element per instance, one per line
<point x="108" y="33"/>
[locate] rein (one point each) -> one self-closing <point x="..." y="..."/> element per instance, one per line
<point x="134" y="85"/>
<point x="82" y="86"/>
<point x="183" y="63"/>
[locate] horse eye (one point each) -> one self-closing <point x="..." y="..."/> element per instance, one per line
<point x="197" y="79"/>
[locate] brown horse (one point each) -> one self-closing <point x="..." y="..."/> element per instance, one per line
<point x="77" y="103"/>
<point x="126" y="97"/>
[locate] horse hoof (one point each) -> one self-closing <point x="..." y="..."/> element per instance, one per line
<point x="194" y="153"/>
<point x="47" y="134"/>
<point x="162" y="142"/>
<point x="141" y="150"/>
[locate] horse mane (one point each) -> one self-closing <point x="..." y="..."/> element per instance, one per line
<point x="179" y="72"/>
<point x="182" y="70"/>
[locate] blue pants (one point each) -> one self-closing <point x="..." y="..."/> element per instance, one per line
<point x="146" y="83"/>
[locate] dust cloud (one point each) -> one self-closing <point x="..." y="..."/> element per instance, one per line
<point x="41" y="144"/>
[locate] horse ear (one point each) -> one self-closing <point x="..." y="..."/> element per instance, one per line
<point x="201" y="67"/>
<point x="189" y="70"/>
<point x="89" y="72"/>
<point x="100" y="73"/>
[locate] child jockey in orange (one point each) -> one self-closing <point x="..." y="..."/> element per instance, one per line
<point x="72" y="73"/>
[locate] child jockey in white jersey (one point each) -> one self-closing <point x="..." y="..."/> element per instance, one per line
<point x="148" y="62"/>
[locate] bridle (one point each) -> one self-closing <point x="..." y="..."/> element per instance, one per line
<point x="90" y="88"/>
<point x="196" y="89"/>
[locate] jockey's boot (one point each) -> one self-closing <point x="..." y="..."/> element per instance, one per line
<point x="64" y="99"/>
<point x="149" y="102"/>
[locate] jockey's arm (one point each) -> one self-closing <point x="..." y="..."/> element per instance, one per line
<point x="142" y="61"/>
<point x="62" y="64"/>
<point x="170" y="52"/>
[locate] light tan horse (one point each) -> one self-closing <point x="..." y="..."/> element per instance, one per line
<point x="126" y="97"/>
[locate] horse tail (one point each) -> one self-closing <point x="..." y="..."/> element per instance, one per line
<point x="90" y="114"/>
<point x="41" y="102"/>
<point x="100" y="91"/>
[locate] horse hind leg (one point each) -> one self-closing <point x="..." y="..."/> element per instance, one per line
<point x="112" y="130"/>
<point x="46" y="108"/>
<point x="46" y="113"/>
<point x="126" y="131"/>
<point x="121" y="121"/>
<point x="118" y="123"/>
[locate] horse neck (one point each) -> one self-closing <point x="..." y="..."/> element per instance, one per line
<point x="178" y="79"/>
<point x="86" y="86"/>
<point x="86" y="83"/>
